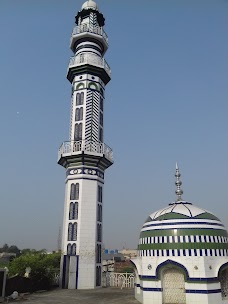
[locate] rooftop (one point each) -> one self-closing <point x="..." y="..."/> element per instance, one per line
<point x="68" y="296"/>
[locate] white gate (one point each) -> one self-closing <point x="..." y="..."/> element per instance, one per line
<point x="173" y="284"/>
<point x="121" y="280"/>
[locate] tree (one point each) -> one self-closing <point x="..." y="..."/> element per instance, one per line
<point x="14" y="249"/>
<point x="5" y="248"/>
<point x="11" y="249"/>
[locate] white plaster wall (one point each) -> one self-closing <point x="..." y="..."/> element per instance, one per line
<point x="197" y="266"/>
<point x="204" y="298"/>
<point x="87" y="234"/>
<point x="149" y="297"/>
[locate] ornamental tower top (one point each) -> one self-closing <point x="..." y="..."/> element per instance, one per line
<point x="90" y="4"/>
<point x="89" y="42"/>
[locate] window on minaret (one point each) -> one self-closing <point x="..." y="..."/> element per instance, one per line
<point x="73" y="249"/>
<point x="100" y="134"/>
<point x="101" y="119"/>
<point x="97" y="254"/>
<point x="99" y="237"/>
<point x="98" y="232"/>
<point x="71" y="211"/>
<point x="69" y="249"/>
<point x="77" y="115"/>
<point x="82" y="98"/>
<point x="81" y="113"/>
<point x="98" y="276"/>
<point x="99" y="194"/>
<point x="99" y="257"/>
<point x="100" y="213"/>
<point x="77" y="191"/>
<point x="79" y="99"/>
<point x="74" y="232"/>
<point x="78" y="132"/>
<point x="73" y="192"/>
<point x="70" y="229"/>
<point x="76" y="211"/>
<point x="101" y="104"/>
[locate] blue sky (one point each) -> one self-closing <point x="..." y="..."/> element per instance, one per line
<point x="166" y="102"/>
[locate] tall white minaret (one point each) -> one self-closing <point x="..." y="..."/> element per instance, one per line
<point x="85" y="156"/>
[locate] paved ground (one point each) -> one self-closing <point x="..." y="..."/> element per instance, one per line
<point x="97" y="296"/>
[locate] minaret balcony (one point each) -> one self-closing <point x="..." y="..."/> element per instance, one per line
<point x="87" y="31"/>
<point x="84" y="62"/>
<point x="91" y="148"/>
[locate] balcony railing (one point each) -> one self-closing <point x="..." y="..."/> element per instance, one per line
<point x="83" y="28"/>
<point x="90" y="59"/>
<point x="73" y="147"/>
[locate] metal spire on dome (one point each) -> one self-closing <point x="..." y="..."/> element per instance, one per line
<point x="178" y="183"/>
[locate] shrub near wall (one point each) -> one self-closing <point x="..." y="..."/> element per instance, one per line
<point x="41" y="265"/>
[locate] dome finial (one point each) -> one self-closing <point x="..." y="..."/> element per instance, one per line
<point x="178" y="183"/>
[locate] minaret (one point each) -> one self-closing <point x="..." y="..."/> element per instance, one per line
<point x="85" y="156"/>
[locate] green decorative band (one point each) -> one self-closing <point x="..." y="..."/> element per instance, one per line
<point x="184" y="231"/>
<point x="174" y="215"/>
<point x="166" y="246"/>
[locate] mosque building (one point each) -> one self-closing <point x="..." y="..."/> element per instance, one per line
<point x="183" y="249"/>
<point x="182" y="256"/>
<point x="85" y="156"/>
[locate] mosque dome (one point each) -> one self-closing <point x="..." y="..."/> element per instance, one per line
<point x="182" y="229"/>
<point x="90" y="4"/>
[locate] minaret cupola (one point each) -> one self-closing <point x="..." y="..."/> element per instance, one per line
<point x="89" y="42"/>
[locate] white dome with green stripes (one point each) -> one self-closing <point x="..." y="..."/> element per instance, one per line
<point x="181" y="210"/>
<point x="182" y="229"/>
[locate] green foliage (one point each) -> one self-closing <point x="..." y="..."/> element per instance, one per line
<point x="4" y="264"/>
<point x="41" y="264"/>
<point x="32" y="251"/>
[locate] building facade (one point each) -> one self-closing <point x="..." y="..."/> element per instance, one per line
<point x="85" y="156"/>
<point x="182" y="256"/>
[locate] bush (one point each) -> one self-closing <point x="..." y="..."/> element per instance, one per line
<point x="41" y="265"/>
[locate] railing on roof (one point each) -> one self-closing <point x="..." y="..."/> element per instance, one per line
<point x="73" y="147"/>
<point x="85" y="58"/>
<point x="86" y="27"/>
